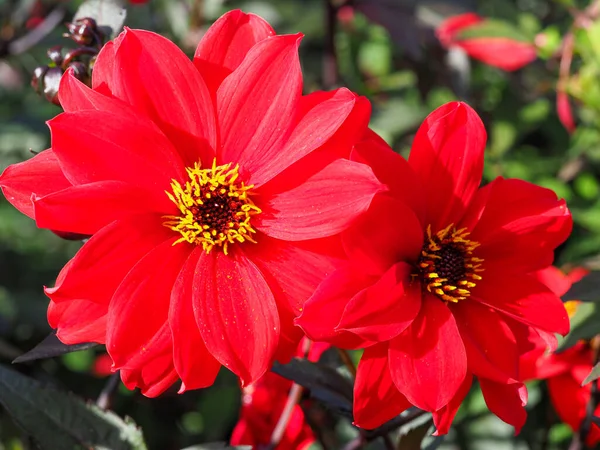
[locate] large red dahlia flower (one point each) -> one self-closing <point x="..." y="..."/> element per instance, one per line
<point x="438" y="287"/>
<point x="214" y="193"/>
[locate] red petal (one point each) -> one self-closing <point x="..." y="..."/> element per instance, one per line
<point x="313" y="130"/>
<point x="76" y="96"/>
<point x="236" y="314"/>
<point x="428" y="361"/>
<point x="78" y="321"/>
<point x="139" y="308"/>
<point x="392" y="170"/>
<point x="103" y="73"/>
<point x="387" y="233"/>
<point x="89" y="207"/>
<point x="504" y="53"/>
<point x="443" y="418"/>
<point x="155" y="77"/>
<point x="521" y="215"/>
<point x="39" y="176"/>
<point x="491" y="345"/>
<point x="323" y="311"/>
<point x="569" y="399"/>
<point x="565" y="114"/>
<point x="555" y="279"/>
<point x="525" y="299"/>
<point x="321" y="205"/>
<point x="152" y="371"/>
<point x="448" y="29"/>
<point x="376" y="398"/>
<point x="386" y="308"/>
<point x="118" y="148"/>
<point x="447" y="154"/>
<point x="293" y="270"/>
<point x="506" y="401"/>
<point x="226" y="43"/>
<point x="108" y="256"/>
<point x="196" y="367"/>
<point x="256" y="105"/>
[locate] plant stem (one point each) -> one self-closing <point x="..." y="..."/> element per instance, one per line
<point x="345" y="357"/>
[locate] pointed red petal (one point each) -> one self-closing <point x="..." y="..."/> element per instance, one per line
<point x="78" y="321"/>
<point x="507" y="401"/>
<point x="428" y="361"/>
<point x="293" y="270"/>
<point x="376" y="398"/>
<point x="527" y="300"/>
<point x="236" y="313"/>
<point x="155" y="77"/>
<point x="322" y="312"/>
<point x="117" y="147"/>
<point x="447" y="154"/>
<point x="520" y="215"/>
<point x="491" y="345"/>
<point x="38" y="176"/>
<point x="226" y="43"/>
<point x="196" y="367"/>
<point x="108" y="256"/>
<point x="256" y="105"/>
<point x="387" y="233"/>
<point x="139" y="307"/>
<point x="392" y="170"/>
<point x="152" y="371"/>
<point x="319" y="206"/>
<point x="87" y="208"/>
<point x="312" y="131"/>
<point x="386" y="308"/>
<point x="443" y="418"/>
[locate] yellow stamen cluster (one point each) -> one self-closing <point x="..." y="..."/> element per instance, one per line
<point x="447" y="266"/>
<point x="216" y="208"/>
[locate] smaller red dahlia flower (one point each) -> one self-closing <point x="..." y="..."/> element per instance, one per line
<point x="262" y="405"/>
<point x="214" y="192"/>
<point x="564" y="372"/>
<point x="506" y="53"/>
<point x="438" y="287"/>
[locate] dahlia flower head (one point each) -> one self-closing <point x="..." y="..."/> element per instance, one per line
<point x="214" y="193"/>
<point x="440" y="285"/>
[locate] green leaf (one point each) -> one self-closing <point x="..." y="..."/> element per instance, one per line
<point x="586" y="290"/>
<point x="59" y="420"/>
<point x="593" y="375"/>
<point x="493" y="29"/>
<point x="585" y="324"/>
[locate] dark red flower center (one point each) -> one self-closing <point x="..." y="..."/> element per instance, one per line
<point x="215" y="207"/>
<point x="447" y="266"/>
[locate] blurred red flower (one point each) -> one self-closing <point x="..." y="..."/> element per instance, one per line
<point x="564" y="371"/>
<point x="437" y="289"/>
<point x="262" y="405"/>
<point x="214" y="191"/>
<point x="503" y="52"/>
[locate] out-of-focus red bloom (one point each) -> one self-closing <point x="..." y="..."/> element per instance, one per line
<point x="438" y="287"/>
<point x="564" y="371"/>
<point x="498" y="51"/>
<point x="262" y="405"/>
<point x="565" y="113"/>
<point x="138" y="2"/>
<point x="215" y="193"/>
<point x="102" y="365"/>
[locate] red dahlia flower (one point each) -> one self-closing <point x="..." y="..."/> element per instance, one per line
<point x="262" y="405"/>
<point x="506" y="53"/>
<point x="214" y="193"/>
<point x="438" y="287"/>
<point x="564" y="371"/>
